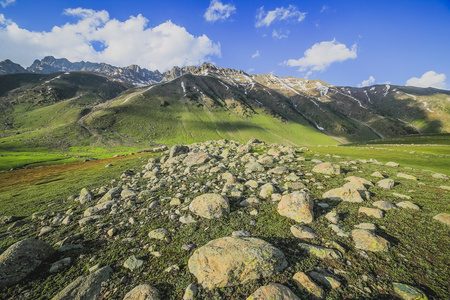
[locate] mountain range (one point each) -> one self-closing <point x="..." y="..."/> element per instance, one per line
<point x="55" y="103"/>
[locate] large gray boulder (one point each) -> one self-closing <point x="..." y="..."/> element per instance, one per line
<point x="177" y="150"/>
<point x="210" y="206"/>
<point x="21" y="259"/>
<point x="85" y="196"/>
<point x="197" y="158"/>
<point x="85" y="287"/>
<point x="327" y="168"/>
<point x="231" y="261"/>
<point x="142" y="292"/>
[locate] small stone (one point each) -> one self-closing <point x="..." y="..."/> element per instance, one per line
<point x="175" y="202"/>
<point x="46" y="230"/>
<point x="190" y="292"/>
<point x="273" y="291"/>
<point x="367" y="226"/>
<point x="443" y="217"/>
<point x="188" y="247"/>
<point x="143" y="292"/>
<point x="266" y="191"/>
<point x="325" y="278"/>
<point x="133" y="263"/>
<point x="85" y="196"/>
<point x="377" y="174"/>
<point x="60" y="265"/>
<point x="332" y="216"/>
<point x="408" y="205"/>
<point x="132" y="220"/>
<point x="159" y="234"/>
<point x="440" y="176"/>
<point x="408" y="292"/>
<point x="338" y="230"/>
<point x="384" y="205"/>
<point x="250" y="202"/>
<point x="402" y="196"/>
<point x="111" y="232"/>
<point x="254" y="212"/>
<point x="321" y="252"/>
<point x="303" y="232"/>
<point x="240" y="233"/>
<point x="392" y="164"/>
<point x="172" y="268"/>
<point x="187" y="219"/>
<point x="372" y="212"/>
<point x="345" y="194"/>
<point x="303" y="281"/>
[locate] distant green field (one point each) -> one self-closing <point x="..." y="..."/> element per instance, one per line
<point x="431" y="139"/>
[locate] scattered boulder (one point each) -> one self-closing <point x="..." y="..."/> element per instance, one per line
<point x="60" y="265"/>
<point x="230" y="261"/>
<point x="85" y="196"/>
<point x="210" y="206"/>
<point x="142" y="292"/>
<point x="327" y="168"/>
<point x="371" y="212"/>
<point x="332" y="216"/>
<point x="323" y="277"/>
<point x="178" y="150"/>
<point x="190" y="292"/>
<point x="440" y="176"/>
<point x="266" y="191"/>
<point x="85" y="287"/>
<point x="133" y="263"/>
<point x="22" y="258"/>
<point x="344" y="194"/>
<point x="321" y="252"/>
<point x="303" y="232"/>
<point x="159" y="234"/>
<point x="304" y="282"/>
<point x="384" y="205"/>
<point x="443" y="217"/>
<point x="407" y="292"/>
<point x="367" y="240"/>
<point x="386" y="184"/>
<point x="408" y="205"/>
<point x="377" y="174"/>
<point x="297" y="206"/>
<point x="366" y="183"/>
<point x="406" y="176"/>
<point x="367" y="226"/>
<point x="273" y="291"/>
<point x="194" y="159"/>
<point x="111" y="195"/>
<point x="392" y="164"/>
<point x="46" y="230"/>
<point x="253" y="167"/>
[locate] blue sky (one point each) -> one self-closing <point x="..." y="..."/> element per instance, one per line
<point x="340" y="42"/>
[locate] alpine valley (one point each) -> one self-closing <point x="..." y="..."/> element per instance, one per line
<point x="210" y="183"/>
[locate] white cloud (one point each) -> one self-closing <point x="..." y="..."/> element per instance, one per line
<point x="218" y="11"/>
<point x="367" y="82"/>
<point x="5" y="3"/>
<point x="279" y="34"/>
<point x="324" y="8"/>
<point x="429" y="79"/>
<point x="321" y="55"/>
<point x="256" y="54"/>
<point x="278" y="14"/>
<point x="125" y="43"/>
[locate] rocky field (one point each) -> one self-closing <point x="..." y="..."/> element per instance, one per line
<point x="219" y="220"/>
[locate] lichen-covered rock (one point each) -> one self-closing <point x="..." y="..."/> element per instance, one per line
<point x="321" y="252"/>
<point x="111" y="195"/>
<point x="323" y="277"/>
<point x="159" y="234"/>
<point x="344" y="194"/>
<point x="85" y="196"/>
<point x="406" y="176"/>
<point x="266" y="191"/>
<point x="386" y="184"/>
<point x="85" y="287"/>
<point x="273" y="291"/>
<point x="303" y="232"/>
<point x="407" y="292"/>
<point x="198" y="158"/>
<point x="210" y="206"/>
<point x="190" y="292"/>
<point x="297" y="206"/>
<point x="21" y="259"/>
<point x="408" y="205"/>
<point x="327" y="168"/>
<point x="304" y="282"/>
<point x="231" y="261"/>
<point x="132" y="263"/>
<point x="384" y="205"/>
<point x="142" y="292"/>
<point x="367" y="240"/>
<point x="372" y="212"/>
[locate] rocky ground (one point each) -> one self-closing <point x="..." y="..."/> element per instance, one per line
<point x="219" y="220"/>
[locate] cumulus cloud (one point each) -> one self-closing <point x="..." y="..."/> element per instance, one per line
<point x="321" y="55"/>
<point x="124" y="43"/>
<point x="367" y="82"/>
<point x="256" y="54"/>
<point x="428" y="79"/>
<point x="278" y="14"/>
<point x="279" y="34"/>
<point x="5" y="3"/>
<point x="218" y="11"/>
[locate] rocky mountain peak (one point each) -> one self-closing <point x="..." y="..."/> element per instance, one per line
<point x="8" y="67"/>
